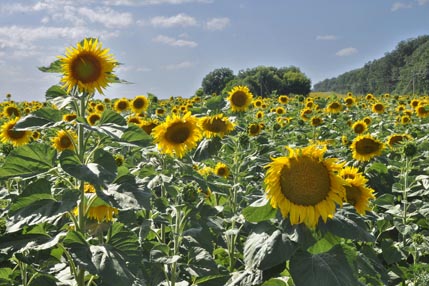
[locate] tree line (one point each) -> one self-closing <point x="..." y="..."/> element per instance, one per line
<point x="405" y="70"/>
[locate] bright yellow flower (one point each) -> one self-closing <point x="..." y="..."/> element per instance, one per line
<point x="139" y="104"/>
<point x="88" y="66"/>
<point x="216" y="125"/>
<point x="221" y="170"/>
<point x="304" y="185"/>
<point x="64" y="140"/>
<point x="15" y="137"/>
<point x="240" y="98"/>
<point x="365" y="147"/>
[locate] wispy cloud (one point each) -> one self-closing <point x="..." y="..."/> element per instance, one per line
<point x="154" y="2"/>
<point x="174" y="42"/>
<point x="217" y="24"/>
<point x="107" y="17"/>
<point x="346" y="52"/>
<point x="400" y="5"/>
<point x="326" y="37"/>
<point x="423" y="2"/>
<point x="179" y="66"/>
<point x="182" y="20"/>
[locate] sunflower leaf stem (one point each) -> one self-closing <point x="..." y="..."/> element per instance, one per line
<point x="405" y="172"/>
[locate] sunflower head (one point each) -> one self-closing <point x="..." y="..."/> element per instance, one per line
<point x="8" y="134"/>
<point x="149" y="125"/>
<point x="93" y="118"/>
<point x="359" y="127"/>
<point x="65" y="140"/>
<point x="283" y="99"/>
<point x="216" y="125"/>
<point x="365" y="147"/>
<point x="334" y="107"/>
<point x="121" y="105"/>
<point x="378" y="108"/>
<point x="139" y="104"/>
<point x="395" y="140"/>
<point x="87" y="66"/>
<point x="316" y="121"/>
<point x="221" y="170"/>
<point x="422" y="110"/>
<point x="357" y="193"/>
<point x="254" y="129"/>
<point x="304" y="185"/>
<point x="11" y="111"/>
<point x="240" y="98"/>
<point x="177" y="135"/>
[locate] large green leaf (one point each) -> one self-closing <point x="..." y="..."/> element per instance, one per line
<point x="55" y="91"/>
<point x="329" y="268"/>
<point x="93" y="173"/>
<point x="54" y="67"/>
<point x="259" y="211"/>
<point x="263" y="250"/>
<point x="110" y="116"/>
<point x="41" y="118"/>
<point x="28" y="160"/>
<point x="136" y="136"/>
<point x="207" y="148"/>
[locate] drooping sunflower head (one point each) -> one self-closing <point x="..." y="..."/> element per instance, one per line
<point x="216" y="125"/>
<point x="422" y="110"/>
<point x="240" y="98"/>
<point x="149" y="125"/>
<point x="334" y="107"/>
<point x="99" y="107"/>
<point x="349" y="101"/>
<point x="88" y="66"/>
<point x="8" y="134"/>
<point x="365" y="147"/>
<point x="304" y="185"/>
<point x="306" y="113"/>
<point x="69" y="117"/>
<point x="65" y="140"/>
<point x="139" y="104"/>
<point x="359" y="127"/>
<point x="254" y="129"/>
<point x="221" y="170"/>
<point x="93" y="118"/>
<point x="367" y="120"/>
<point x="316" y="121"/>
<point x="177" y="135"/>
<point x="11" y="111"/>
<point x="395" y="140"/>
<point x="357" y="193"/>
<point x="259" y="115"/>
<point x="369" y="97"/>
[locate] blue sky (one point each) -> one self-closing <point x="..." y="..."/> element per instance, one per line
<point x="168" y="46"/>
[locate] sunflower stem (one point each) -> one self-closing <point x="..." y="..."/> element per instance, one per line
<point x="404" y="197"/>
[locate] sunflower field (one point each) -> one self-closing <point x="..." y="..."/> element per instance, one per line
<point x="212" y="190"/>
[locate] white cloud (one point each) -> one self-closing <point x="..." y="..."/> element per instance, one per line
<point x="107" y="17"/>
<point x="346" y="52"/>
<point x="182" y="20"/>
<point x="217" y="24"/>
<point x="174" y="42"/>
<point x="180" y="66"/>
<point x="153" y="2"/>
<point x="423" y="2"/>
<point x="399" y="5"/>
<point x="326" y="37"/>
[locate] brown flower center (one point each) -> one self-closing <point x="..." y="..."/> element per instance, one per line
<point x="86" y="68"/>
<point x="239" y="98"/>
<point x="353" y="194"/>
<point x="367" y="146"/>
<point x="178" y="133"/>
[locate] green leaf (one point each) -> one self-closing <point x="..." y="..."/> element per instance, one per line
<point x="324" y="244"/>
<point x="391" y="252"/>
<point x="55" y="91"/>
<point x="263" y="251"/>
<point x="110" y="116"/>
<point x="41" y="118"/>
<point x="259" y="211"/>
<point x="347" y="225"/>
<point x="54" y="67"/>
<point x="43" y="279"/>
<point x="329" y="268"/>
<point x="125" y="241"/>
<point x="275" y="282"/>
<point x="207" y="148"/>
<point x="136" y="136"/>
<point x="93" y="173"/>
<point x="106" y="160"/>
<point x="28" y="160"/>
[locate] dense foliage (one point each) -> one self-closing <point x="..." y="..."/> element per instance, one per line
<point x="262" y="81"/>
<point x="403" y="71"/>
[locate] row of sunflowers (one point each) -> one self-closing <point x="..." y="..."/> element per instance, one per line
<point x="210" y="190"/>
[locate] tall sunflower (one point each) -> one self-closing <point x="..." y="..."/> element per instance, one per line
<point x="240" y="98"/>
<point x="357" y="193"/>
<point x="216" y="125"/>
<point x="87" y="66"/>
<point x="64" y="140"/>
<point x="9" y="135"/>
<point x="304" y="185"/>
<point x="365" y="147"/>
<point x="139" y="104"/>
<point x="177" y="135"/>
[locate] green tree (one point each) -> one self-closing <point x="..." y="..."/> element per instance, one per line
<point x="215" y="81"/>
<point x="296" y="82"/>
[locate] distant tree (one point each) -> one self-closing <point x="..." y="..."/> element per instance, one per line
<point x="215" y="81"/>
<point x="296" y="82"/>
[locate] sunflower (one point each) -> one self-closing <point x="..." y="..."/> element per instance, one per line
<point x="216" y="125"/>
<point x="283" y="99"/>
<point x="259" y="115"/>
<point x="15" y="137"/>
<point x="405" y="119"/>
<point x="121" y="105"/>
<point x="177" y="135"/>
<point x="160" y="111"/>
<point x="367" y="120"/>
<point x="359" y="127"/>
<point x="395" y="140"/>
<point x="11" y="111"/>
<point x="69" y="117"/>
<point x="280" y="110"/>
<point x="414" y="103"/>
<point x="87" y="66"/>
<point x="149" y="125"/>
<point x="240" y="98"/>
<point x="257" y="103"/>
<point x="304" y="185"/>
<point x="423" y="111"/>
<point x="221" y="170"/>
<point x="377" y="108"/>
<point x="369" y="96"/>
<point x="35" y="135"/>
<point x="316" y="121"/>
<point x="357" y="193"/>
<point x="254" y="129"/>
<point x="99" y="107"/>
<point x="349" y="101"/>
<point x="334" y="107"/>
<point x="139" y="104"/>
<point x="102" y="213"/>
<point x="365" y="147"/>
<point x="64" y="140"/>
<point x="306" y="113"/>
<point x="93" y="118"/>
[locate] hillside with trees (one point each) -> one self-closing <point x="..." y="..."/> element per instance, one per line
<point x="262" y="81"/>
<point x="405" y="70"/>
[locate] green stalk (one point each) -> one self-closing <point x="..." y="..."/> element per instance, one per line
<point x="176" y="243"/>
<point x="404" y="197"/>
